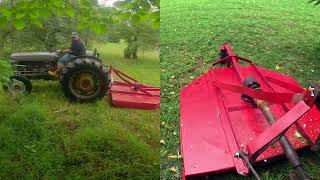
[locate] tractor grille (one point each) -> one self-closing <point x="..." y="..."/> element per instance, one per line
<point x="34" y="70"/>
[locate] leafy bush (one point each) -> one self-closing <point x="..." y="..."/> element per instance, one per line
<point x="316" y="2"/>
<point x="5" y="72"/>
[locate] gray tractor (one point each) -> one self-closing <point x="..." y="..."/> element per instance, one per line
<point x="83" y="79"/>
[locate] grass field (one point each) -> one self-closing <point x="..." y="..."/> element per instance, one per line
<point x="282" y="34"/>
<point x="44" y="136"/>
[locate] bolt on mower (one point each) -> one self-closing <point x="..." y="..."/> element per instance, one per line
<point x="236" y="117"/>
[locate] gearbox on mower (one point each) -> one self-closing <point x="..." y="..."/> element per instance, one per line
<point x="235" y="117"/>
<point x="83" y="79"/>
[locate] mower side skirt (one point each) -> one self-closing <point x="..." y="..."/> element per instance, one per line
<point x="124" y="95"/>
<point x="225" y="122"/>
<point x="203" y="148"/>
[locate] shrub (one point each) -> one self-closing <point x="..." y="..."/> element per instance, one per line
<point x="5" y="72"/>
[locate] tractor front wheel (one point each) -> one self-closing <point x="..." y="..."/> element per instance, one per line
<point x="18" y="85"/>
<point x="85" y="80"/>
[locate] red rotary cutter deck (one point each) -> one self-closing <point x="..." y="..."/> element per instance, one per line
<point x="235" y="116"/>
<point x="128" y="92"/>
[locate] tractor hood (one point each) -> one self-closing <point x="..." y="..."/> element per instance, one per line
<point x="34" y="56"/>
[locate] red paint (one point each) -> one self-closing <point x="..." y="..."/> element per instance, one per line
<point x="278" y="128"/>
<point x="216" y="122"/>
<point x="129" y="93"/>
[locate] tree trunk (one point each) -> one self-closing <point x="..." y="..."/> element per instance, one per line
<point x="132" y="49"/>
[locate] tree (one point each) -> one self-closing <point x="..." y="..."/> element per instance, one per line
<point x="45" y="23"/>
<point x="137" y="15"/>
<point x="20" y="13"/>
<point x="138" y="36"/>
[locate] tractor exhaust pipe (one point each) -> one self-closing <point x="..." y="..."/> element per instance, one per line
<point x="291" y="154"/>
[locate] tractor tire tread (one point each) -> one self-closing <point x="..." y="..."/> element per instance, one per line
<point x="85" y="63"/>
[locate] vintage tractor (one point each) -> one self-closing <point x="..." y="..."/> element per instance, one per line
<point x="84" y="79"/>
<point x="239" y="116"/>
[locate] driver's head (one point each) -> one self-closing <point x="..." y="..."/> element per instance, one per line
<point x="74" y="36"/>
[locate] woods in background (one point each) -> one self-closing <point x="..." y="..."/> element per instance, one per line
<point x="45" y="25"/>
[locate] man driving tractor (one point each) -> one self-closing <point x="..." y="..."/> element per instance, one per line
<point x="77" y="48"/>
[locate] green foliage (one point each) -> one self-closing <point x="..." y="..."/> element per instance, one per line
<point x="19" y="24"/>
<point x="316" y="2"/>
<point x="131" y="50"/>
<point x="138" y="36"/>
<point x="5" y="72"/>
<point x="140" y="11"/>
<point x="22" y="13"/>
<point x="88" y="14"/>
<point x="140" y="19"/>
<point x="114" y="35"/>
<point x="34" y="25"/>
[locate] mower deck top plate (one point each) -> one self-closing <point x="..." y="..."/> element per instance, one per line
<point x="207" y="111"/>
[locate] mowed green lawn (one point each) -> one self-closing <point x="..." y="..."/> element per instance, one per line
<point x="282" y="34"/>
<point x="44" y="136"/>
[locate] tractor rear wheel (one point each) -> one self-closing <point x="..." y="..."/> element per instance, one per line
<point x="84" y="79"/>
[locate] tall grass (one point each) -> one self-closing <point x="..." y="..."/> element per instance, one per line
<point x="44" y="136"/>
<point x="28" y="143"/>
